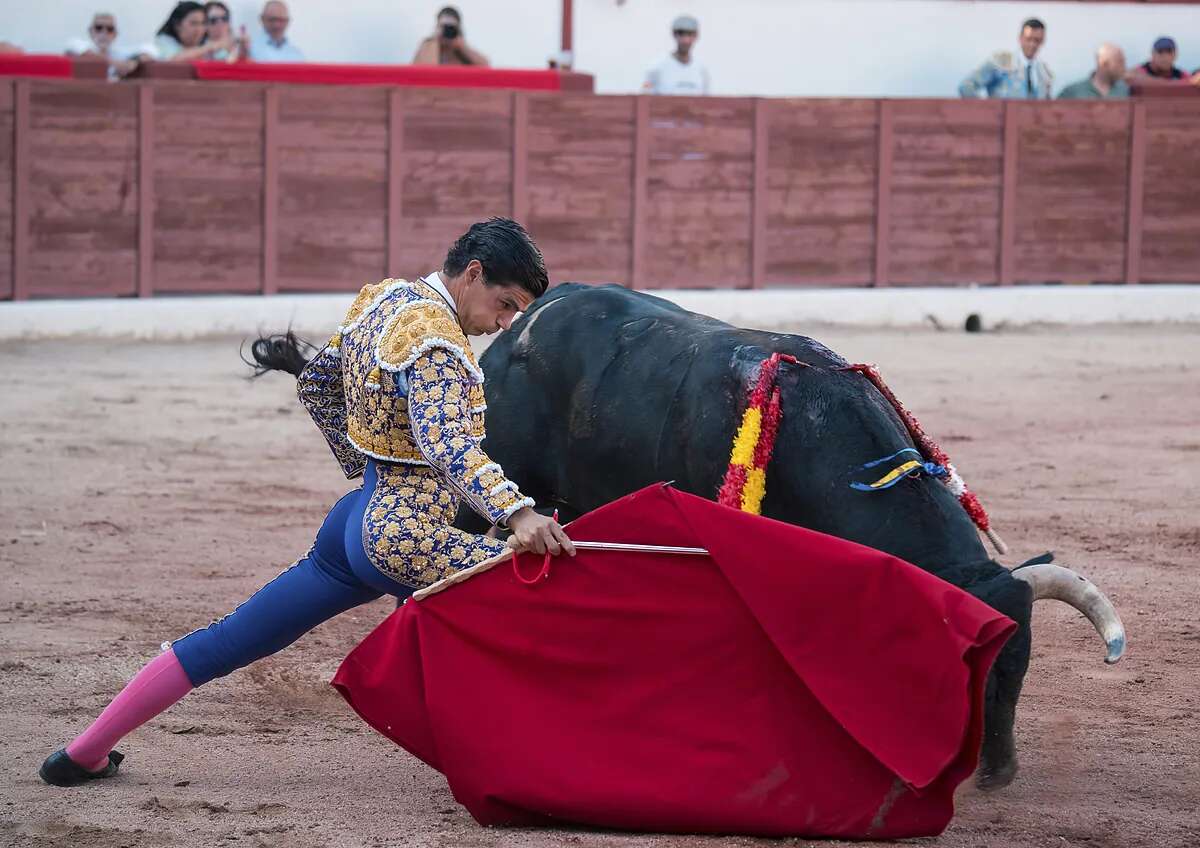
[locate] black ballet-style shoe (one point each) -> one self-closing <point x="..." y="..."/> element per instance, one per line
<point x="61" y="770"/>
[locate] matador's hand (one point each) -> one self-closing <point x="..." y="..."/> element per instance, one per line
<point x="537" y="534"/>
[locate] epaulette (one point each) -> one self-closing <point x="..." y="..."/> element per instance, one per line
<point x="418" y="327"/>
<point x="1003" y="59"/>
<point x="369" y="297"/>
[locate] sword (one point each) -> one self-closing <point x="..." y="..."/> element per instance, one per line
<point x="626" y="547"/>
<point x="638" y="549"/>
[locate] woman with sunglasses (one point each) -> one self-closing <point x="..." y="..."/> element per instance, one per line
<point x="230" y="48"/>
<point x="181" y="37"/>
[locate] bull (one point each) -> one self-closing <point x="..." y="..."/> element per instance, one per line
<point x="599" y="391"/>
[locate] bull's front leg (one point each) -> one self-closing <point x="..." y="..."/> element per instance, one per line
<point x="998" y="758"/>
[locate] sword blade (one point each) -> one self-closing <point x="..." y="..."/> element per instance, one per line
<point x="639" y="549"/>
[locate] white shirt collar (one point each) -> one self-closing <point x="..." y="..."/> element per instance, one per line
<point x="434" y="281"/>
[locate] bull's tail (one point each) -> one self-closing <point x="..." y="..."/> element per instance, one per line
<point x="279" y="352"/>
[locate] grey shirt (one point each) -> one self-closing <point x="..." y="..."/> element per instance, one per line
<point x="1086" y="89"/>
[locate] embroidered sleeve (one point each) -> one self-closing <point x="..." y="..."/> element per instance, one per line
<point x="319" y="387"/>
<point x="981" y="81"/>
<point x="439" y="407"/>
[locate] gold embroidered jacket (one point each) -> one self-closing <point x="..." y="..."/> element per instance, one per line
<point x="398" y="382"/>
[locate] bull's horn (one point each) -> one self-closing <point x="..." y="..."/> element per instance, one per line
<point x="1055" y="582"/>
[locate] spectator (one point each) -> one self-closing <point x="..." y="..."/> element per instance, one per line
<point x="447" y="45"/>
<point x="101" y="45"/>
<point x="1161" y="67"/>
<point x="1108" y="80"/>
<point x="271" y="44"/>
<point x="231" y="48"/>
<point x="679" y="73"/>
<point x="1007" y="75"/>
<point x="181" y="38"/>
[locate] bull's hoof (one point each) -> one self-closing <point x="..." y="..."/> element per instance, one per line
<point x="990" y="778"/>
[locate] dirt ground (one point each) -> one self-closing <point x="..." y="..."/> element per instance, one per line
<point x="148" y="488"/>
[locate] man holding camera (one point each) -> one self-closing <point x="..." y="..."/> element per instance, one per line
<point x="447" y="45"/>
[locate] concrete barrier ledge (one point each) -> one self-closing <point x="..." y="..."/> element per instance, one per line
<point x="314" y="315"/>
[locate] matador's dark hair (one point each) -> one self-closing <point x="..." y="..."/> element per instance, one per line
<point x="507" y="253"/>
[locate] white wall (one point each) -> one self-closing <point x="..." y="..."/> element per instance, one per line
<point x="859" y="48"/>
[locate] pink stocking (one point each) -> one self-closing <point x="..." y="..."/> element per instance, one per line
<point x="157" y="686"/>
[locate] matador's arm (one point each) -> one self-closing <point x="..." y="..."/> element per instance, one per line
<point x="441" y="415"/>
<point x="319" y="387"/>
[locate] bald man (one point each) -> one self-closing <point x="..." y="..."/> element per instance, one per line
<point x="1108" y="80"/>
<point x="272" y="44"/>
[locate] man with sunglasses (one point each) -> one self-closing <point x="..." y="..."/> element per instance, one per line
<point x="679" y="73"/>
<point x="100" y="45"/>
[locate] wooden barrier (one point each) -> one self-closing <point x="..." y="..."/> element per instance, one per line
<point x="164" y="187"/>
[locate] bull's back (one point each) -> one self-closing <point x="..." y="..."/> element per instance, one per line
<point x="598" y="391"/>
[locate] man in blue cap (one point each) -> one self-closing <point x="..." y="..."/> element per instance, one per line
<point x="1161" y="65"/>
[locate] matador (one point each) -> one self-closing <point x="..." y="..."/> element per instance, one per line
<point x="398" y="395"/>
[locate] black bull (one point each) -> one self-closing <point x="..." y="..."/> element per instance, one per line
<point x="598" y="391"/>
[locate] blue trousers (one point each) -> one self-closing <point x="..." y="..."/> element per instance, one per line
<point x="335" y="576"/>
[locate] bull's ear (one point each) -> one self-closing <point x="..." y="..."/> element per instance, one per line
<point x="1048" y="556"/>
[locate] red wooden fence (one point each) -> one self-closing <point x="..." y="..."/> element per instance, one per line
<point x="172" y="187"/>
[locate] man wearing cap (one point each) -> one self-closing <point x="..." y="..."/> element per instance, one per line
<point x="1019" y="76"/>
<point x="679" y="73"/>
<point x="1108" y="80"/>
<point x="1161" y="66"/>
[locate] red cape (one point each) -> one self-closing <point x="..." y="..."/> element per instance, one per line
<point x="788" y="684"/>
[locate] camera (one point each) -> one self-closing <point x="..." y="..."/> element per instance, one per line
<point x="449" y="31"/>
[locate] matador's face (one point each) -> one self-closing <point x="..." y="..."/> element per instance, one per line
<point x="485" y="308"/>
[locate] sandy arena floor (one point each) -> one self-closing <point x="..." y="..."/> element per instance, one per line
<point x="148" y="488"/>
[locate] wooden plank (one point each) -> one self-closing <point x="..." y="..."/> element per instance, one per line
<point x="700" y="186"/>
<point x="1072" y="192"/>
<point x="883" y="195"/>
<point x="1170" y="251"/>
<point x="270" y="206"/>
<point x="641" y="168"/>
<point x="1137" y="178"/>
<point x="520" y="157"/>
<point x="580" y="185"/>
<point x="20" y="217"/>
<point x="82" y="190"/>
<point x="457" y="169"/>
<point x="145" y="234"/>
<point x="945" y="192"/>
<point x="758" y="238"/>
<point x="207" y="180"/>
<point x="7" y="186"/>
<point x="822" y="182"/>
<point x="395" y="176"/>
<point x="1008" y="200"/>
<point x="333" y="152"/>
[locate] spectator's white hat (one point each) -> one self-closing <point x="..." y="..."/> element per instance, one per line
<point x="685" y="23"/>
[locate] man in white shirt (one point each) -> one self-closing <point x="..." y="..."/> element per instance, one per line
<point x="102" y="33"/>
<point x="679" y="73"/>
<point x="271" y="44"/>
